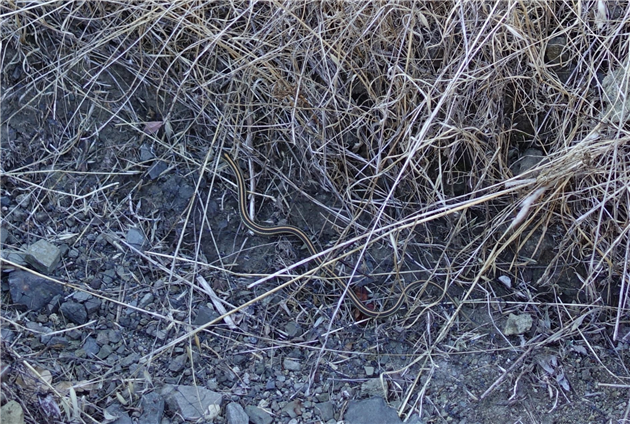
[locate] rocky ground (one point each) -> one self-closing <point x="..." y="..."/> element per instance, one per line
<point x="95" y="323"/>
<point x="128" y="290"/>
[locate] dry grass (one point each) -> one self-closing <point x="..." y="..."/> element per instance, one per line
<point x="410" y="116"/>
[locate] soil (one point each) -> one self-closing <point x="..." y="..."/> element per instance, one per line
<point x="565" y="368"/>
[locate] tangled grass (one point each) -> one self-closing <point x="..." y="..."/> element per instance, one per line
<point x="415" y="117"/>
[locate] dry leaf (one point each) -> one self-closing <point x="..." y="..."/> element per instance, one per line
<point x="152" y="127"/>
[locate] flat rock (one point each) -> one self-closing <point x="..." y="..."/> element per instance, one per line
<point x="194" y="403"/>
<point x="370" y="411"/>
<point x="13" y="256"/>
<point x="152" y="408"/>
<point x="235" y="414"/>
<point x="293" y="409"/>
<point x="517" y="324"/>
<point x="372" y="388"/>
<point x="136" y="238"/>
<point x="116" y="414"/>
<point x="43" y="256"/>
<point x="157" y="169"/>
<point x="326" y="411"/>
<point x="12" y="413"/>
<point x="4" y="235"/>
<point x="257" y="415"/>
<point x="74" y="312"/>
<point x="291" y="364"/>
<point x="32" y="291"/>
<point x="204" y="316"/>
<point x="178" y="363"/>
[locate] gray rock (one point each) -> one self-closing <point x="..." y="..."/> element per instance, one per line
<point x="81" y="296"/>
<point x="55" y="342"/>
<point x="53" y="306"/>
<point x="90" y="346"/>
<point x="43" y="256"/>
<point x="178" y="363"/>
<point x="322" y="397"/>
<point x="13" y="256"/>
<point x="104" y="351"/>
<point x="102" y="337"/>
<point x="157" y="169"/>
<point x="291" y="364"/>
<point x="74" y="312"/>
<point x="373" y="387"/>
<point x="4" y="235"/>
<point x="235" y="414"/>
<point x="92" y="305"/>
<point x="118" y="414"/>
<point x="7" y="335"/>
<point x="293" y="408"/>
<point x="518" y="324"/>
<point x="32" y="291"/>
<point x="194" y="403"/>
<point x="114" y="336"/>
<point x="37" y="327"/>
<point x="204" y="316"/>
<point x="152" y="405"/>
<point x="326" y="411"/>
<point x="146" y="300"/>
<point x="530" y="158"/>
<point x="136" y="238"/>
<point x="146" y="153"/>
<point x="257" y="415"/>
<point x="370" y="411"/>
<point x="161" y="335"/>
<point x="130" y="360"/>
<point x="239" y="359"/>
<point x="23" y="200"/>
<point x="293" y="329"/>
<point x="12" y="413"/>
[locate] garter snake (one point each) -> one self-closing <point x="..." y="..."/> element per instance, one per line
<point x="295" y="231"/>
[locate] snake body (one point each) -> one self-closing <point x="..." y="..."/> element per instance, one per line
<point x="295" y="231"/>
